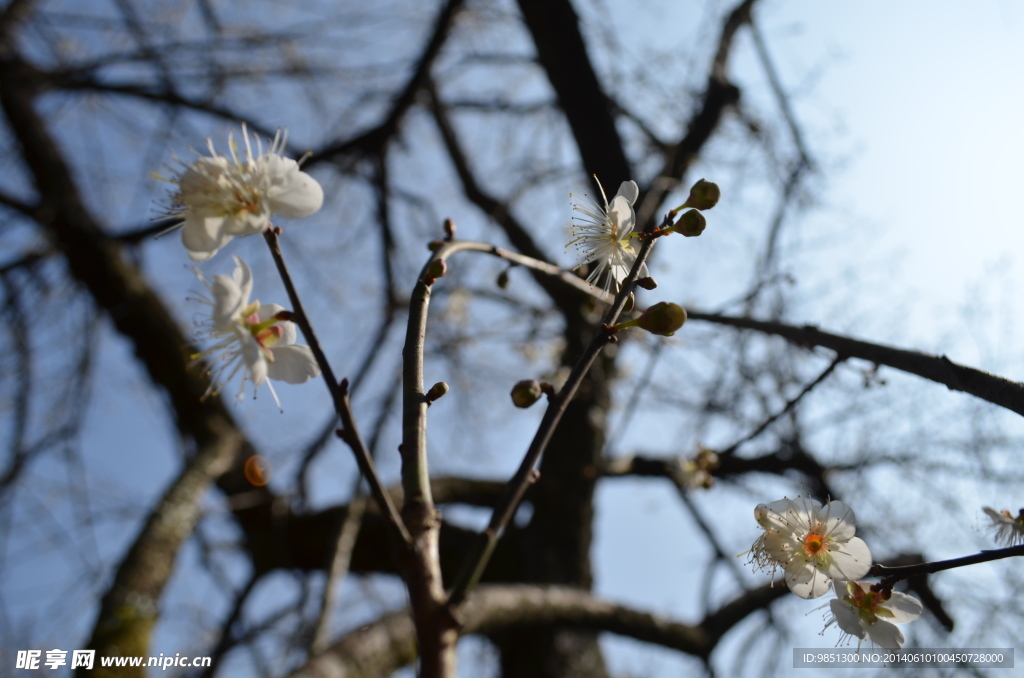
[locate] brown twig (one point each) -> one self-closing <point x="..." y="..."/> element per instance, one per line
<point x="891" y="575"/>
<point x="339" y="395"/>
<point x="527" y="475"/>
<point x="985" y="385"/>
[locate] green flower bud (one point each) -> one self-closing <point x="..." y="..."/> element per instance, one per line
<point x="663" y="318"/>
<point x="526" y="393"/>
<point x="704" y="195"/>
<point x="436" y="391"/>
<point x="691" y="224"/>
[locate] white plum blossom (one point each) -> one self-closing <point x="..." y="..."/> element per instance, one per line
<point x="221" y="197"/>
<point x="863" y="611"/>
<point x="248" y="336"/>
<point x="814" y="545"/>
<point x="603" y="235"/>
<point x="1005" y="528"/>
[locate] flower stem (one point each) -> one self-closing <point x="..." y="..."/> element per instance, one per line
<point x="891" y="575"/>
<point x="474" y="566"/>
<point x="339" y="395"/>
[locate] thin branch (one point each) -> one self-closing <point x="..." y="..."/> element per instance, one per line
<point x="339" y="396"/>
<point x="891" y="575"/>
<point x="790" y="404"/>
<point x="562" y="52"/>
<point x="719" y="95"/>
<point x="345" y="541"/>
<point x="527" y="474"/>
<point x="940" y="369"/>
<point x="374" y="140"/>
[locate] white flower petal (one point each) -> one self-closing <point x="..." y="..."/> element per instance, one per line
<point x="292" y="193"/>
<point x="840" y="521"/>
<point x="252" y="354"/>
<point x="883" y="634"/>
<point x="621" y="216"/>
<point x="904" y="608"/>
<point x="293" y="364"/>
<point x="851" y="560"/>
<point x="807" y="581"/>
<point x="203" y="236"/>
<point x="242" y="276"/>
<point x="628" y="190"/>
<point x="248" y="221"/>
<point x="847" y="618"/>
<point x="228" y="303"/>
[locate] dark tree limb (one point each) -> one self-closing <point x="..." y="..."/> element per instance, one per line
<point x="373" y="141"/>
<point x="940" y="369"/>
<point x="384" y="646"/>
<point x="129" y="609"/>
<point x="562" y="54"/>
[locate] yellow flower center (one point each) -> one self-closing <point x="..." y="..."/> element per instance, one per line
<point x="266" y="333"/>
<point x="814" y="544"/>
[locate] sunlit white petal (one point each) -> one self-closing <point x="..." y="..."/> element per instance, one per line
<point x="221" y="197"/>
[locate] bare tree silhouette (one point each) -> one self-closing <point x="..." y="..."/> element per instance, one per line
<point x="412" y="114"/>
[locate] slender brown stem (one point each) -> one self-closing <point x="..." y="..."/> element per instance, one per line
<point x="474" y="566"/>
<point x="339" y="395"/>
<point x="940" y="369"/>
<point x="891" y="575"/>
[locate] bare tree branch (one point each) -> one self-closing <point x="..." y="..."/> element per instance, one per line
<point x="940" y="369"/>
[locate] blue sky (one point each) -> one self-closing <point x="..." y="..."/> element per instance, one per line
<point x="912" y="112"/>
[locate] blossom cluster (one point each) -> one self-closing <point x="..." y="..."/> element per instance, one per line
<point x="818" y="551"/>
<point x="217" y="198"/>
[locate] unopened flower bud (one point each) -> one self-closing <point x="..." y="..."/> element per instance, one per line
<point x="434" y="245"/>
<point x="436" y="391"/>
<point x="691" y="224"/>
<point x="630" y="302"/>
<point x="449" y="229"/>
<point x="503" y="279"/>
<point x="704" y="195"/>
<point x="526" y="393"/>
<point x="647" y="283"/>
<point x="663" y="318"/>
<point x="435" y="269"/>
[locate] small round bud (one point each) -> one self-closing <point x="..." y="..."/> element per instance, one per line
<point x="436" y="391"/>
<point x="435" y="269"/>
<point x="663" y="318"/>
<point x="704" y="195"/>
<point x="526" y="393"/>
<point x="647" y="283"/>
<point x="503" y="279"/>
<point x="691" y="224"/>
<point x="630" y="303"/>
<point x="434" y="245"/>
<point x="449" y="229"/>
